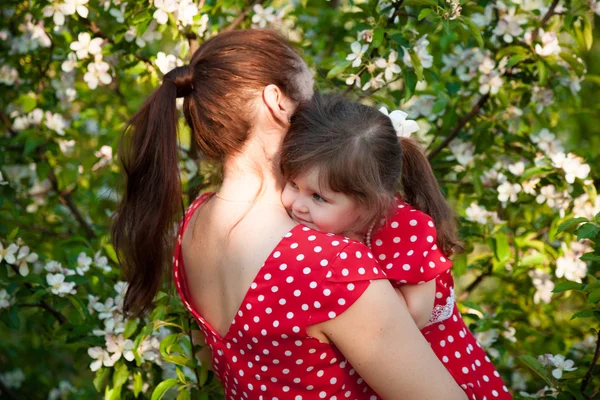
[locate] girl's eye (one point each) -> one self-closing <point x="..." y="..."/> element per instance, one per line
<point x="318" y="198"/>
<point x="293" y="185"/>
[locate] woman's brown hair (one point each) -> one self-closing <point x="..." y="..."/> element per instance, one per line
<point x="357" y="152"/>
<point x="224" y="75"/>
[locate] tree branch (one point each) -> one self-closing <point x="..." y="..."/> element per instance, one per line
<point x="461" y="124"/>
<point x="588" y="375"/>
<point x="240" y="18"/>
<point x="42" y="304"/>
<point x="66" y="199"/>
<point x="545" y="19"/>
<point x="473" y="285"/>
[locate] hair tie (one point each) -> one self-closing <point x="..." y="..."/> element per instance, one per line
<point x="183" y="78"/>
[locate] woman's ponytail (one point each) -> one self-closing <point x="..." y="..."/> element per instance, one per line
<point x="142" y="232"/>
<point x="420" y="189"/>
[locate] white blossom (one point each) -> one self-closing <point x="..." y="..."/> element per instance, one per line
<point x="55" y="122"/>
<point x="5" y="299"/>
<point x="105" y="155"/>
<point x="583" y="206"/>
<point x="66" y="146"/>
<point x="56" y="11"/>
<point x="509" y="25"/>
<point x="63" y="391"/>
<point x="164" y="7"/>
<point x="490" y="83"/>
<point x="366" y="35"/>
<point x="92" y="301"/>
<point x="561" y="364"/>
<point x="166" y="63"/>
<point x="550" y="46"/>
<point x="596" y="7"/>
<point x="85" y="45"/>
<point x="149" y="350"/>
<point x="202" y="25"/>
<point x="517" y="168"/>
<point x="422" y="105"/>
<point x="58" y="285"/>
<point x="389" y="65"/>
<point x="119" y="13"/>
<point x="79" y="6"/>
<point x="404" y="127"/>
<point x="83" y="263"/>
<point x="186" y="12"/>
<point x="13" y="379"/>
<point x="543" y="285"/>
<point x="508" y="192"/>
<point x="569" y="264"/>
<point x="376" y="82"/>
<point x="101" y="357"/>
<point x="119" y="346"/>
<point x="150" y="35"/>
<point x="547" y="142"/>
<point x="8" y="254"/>
<point x="464" y="152"/>
<point x="479" y="214"/>
<point x="2" y="182"/>
<point x="573" y="166"/>
<point x="422" y="53"/>
<point x="353" y="79"/>
<point x="101" y="261"/>
<point x="24" y="257"/>
<point x="70" y="63"/>
<point x="485" y="19"/>
<point x="263" y="16"/>
<point x="97" y="73"/>
<point x="530" y="185"/>
<point x="8" y="75"/>
<point x="358" y="51"/>
<point x="541" y="97"/>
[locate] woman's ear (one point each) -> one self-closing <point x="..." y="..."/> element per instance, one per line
<point x="279" y="105"/>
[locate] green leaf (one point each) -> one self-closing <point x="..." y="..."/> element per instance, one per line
<point x="422" y="2"/>
<point x="424" y="13"/>
<point x="138" y="384"/>
<point x="502" y="250"/>
<point x="27" y="102"/>
<point x="184" y="395"/>
<point x="78" y="305"/>
<point x="162" y="387"/>
<point x="564" y="286"/>
<point x="588" y="36"/>
<point x="569" y="223"/>
<point x="416" y="62"/>
<point x="130" y="328"/>
<point x="594" y="297"/>
<point x="517" y="58"/>
<point x="166" y="343"/>
<point x="410" y="80"/>
<point x="536" y="367"/>
<point x="583" y="314"/>
<point x="377" y="36"/>
<point x="203" y="375"/>
<point x="474" y="29"/>
<point x="578" y="67"/>
<point x="439" y="105"/>
<point x="587" y="231"/>
<point x="179" y="360"/>
<point x="100" y="378"/>
<point x="533" y="259"/>
<point x="12" y="235"/>
<point x="590" y="257"/>
<point x="542" y="73"/>
<point x="180" y="375"/>
<point x="338" y="69"/>
<point x="120" y="376"/>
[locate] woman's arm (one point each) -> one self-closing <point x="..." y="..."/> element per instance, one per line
<point x="381" y="341"/>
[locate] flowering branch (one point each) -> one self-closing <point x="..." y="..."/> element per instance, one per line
<point x="588" y="375"/>
<point x="236" y="22"/>
<point x="545" y="19"/>
<point x="475" y="283"/>
<point x="42" y="304"/>
<point x="461" y="124"/>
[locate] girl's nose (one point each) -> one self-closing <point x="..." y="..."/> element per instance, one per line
<point x="299" y="205"/>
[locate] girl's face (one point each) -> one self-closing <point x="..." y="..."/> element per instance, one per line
<point x="318" y="207"/>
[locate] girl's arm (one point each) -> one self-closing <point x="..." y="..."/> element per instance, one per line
<point x="380" y="340"/>
<point x="420" y="300"/>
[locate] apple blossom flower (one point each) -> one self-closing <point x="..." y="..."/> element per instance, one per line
<point x="573" y="166"/>
<point x="166" y="63"/>
<point x="119" y="13"/>
<point x="389" y="65"/>
<point x="543" y="285"/>
<point x="353" y="79"/>
<point x="422" y="53"/>
<point x="509" y="24"/>
<point x="56" y="122"/>
<point x="8" y="254"/>
<point x="403" y="126"/>
<point x="547" y="142"/>
<point x="23" y="258"/>
<point x="550" y="46"/>
<point x="72" y="6"/>
<point x="561" y="364"/>
<point x="508" y="192"/>
<point x="186" y="12"/>
<point x="376" y="82"/>
<point x="70" y="63"/>
<point x="85" y="45"/>
<point x="262" y="16"/>
<point x="464" y="152"/>
<point x="13" y="379"/>
<point x="164" y="7"/>
<point x="8" y="75"/>
<point x="5" y="299"/>
<point x="64" y="391"/>
<point x="366" y="35"/>
<point x="56" y="11"/>
<point x="358" y="52"/>
<point x="101" y="261"/>
<point x="490" y="83"/>
<point x="83" y="263"/>
<point x="119" y="346"/>
<point x="530" y="185"/>
<point x="58" y="285"/>
<point x="97" y="73"/>
<point x="101" y="358"/>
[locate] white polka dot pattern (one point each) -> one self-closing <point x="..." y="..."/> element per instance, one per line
<point x="266" y="354"/>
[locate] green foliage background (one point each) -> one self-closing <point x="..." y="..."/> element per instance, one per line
<point x="527" y="284"/>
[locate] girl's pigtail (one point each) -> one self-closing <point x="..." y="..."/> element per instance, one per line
<point x="420" y="189"/>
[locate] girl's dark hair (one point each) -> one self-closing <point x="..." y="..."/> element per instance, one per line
<point x="357" y="152"/>
<point x="222" y="79"/>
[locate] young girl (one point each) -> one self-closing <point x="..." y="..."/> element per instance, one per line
<point x="342" y="162"/>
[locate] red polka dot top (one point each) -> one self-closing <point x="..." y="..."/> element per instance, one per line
<point x="309" y="277"/>
<point x="408" y="254"/>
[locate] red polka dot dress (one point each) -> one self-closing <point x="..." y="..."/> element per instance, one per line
<point x="407" y="252"/>
<point x="309" y="277"/>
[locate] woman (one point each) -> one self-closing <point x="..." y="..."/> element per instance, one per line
<point x="288" y="312"/>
